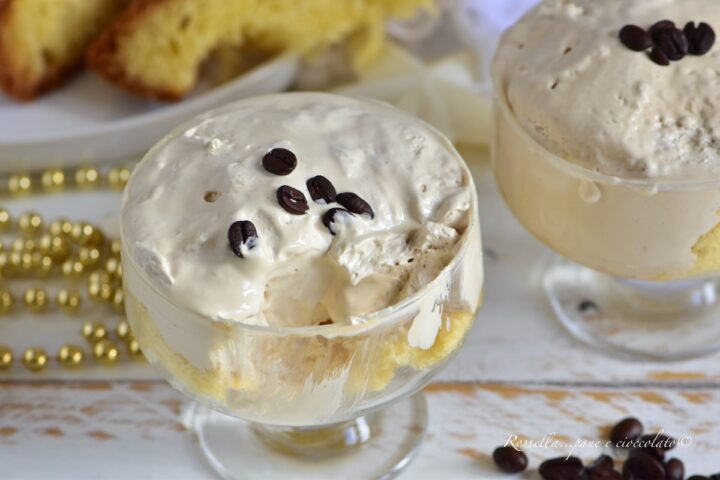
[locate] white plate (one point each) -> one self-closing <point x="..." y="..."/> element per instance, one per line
<point x="90" y="121"/>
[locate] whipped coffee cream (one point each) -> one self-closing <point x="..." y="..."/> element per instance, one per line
<point x="602" y="85"/>
<point x="298" y="210"/>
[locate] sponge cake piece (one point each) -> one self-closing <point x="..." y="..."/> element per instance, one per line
<point x="42" y="42"/>
<point x="155" y="47"/>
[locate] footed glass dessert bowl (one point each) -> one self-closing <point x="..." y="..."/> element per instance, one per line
<point x="620" y="179"/>
<point x="304" y="339"/>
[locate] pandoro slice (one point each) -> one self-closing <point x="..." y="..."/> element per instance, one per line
<point x="43" y="42"/>
<point x="155" y="47"/>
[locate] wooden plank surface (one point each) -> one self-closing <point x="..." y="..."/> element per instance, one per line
<point x="120" y="430"/>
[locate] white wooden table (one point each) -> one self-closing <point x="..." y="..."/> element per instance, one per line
<point x="519" y="374"/>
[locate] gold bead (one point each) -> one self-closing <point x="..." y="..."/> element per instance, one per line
<point x="115" y="247"/>
<point x="122" y="330"/>
<point x="134" y="348"/>
<point x="6" y="357"/>
<point x="6" y="301"/>
<point x="94" y="331"/>
<point x="23" y="245"/>
<point x="87" y="235"/>
<point x="53" y="179"/>
<point x="89" y="257"/>
<point x="118" y="177"/>
<point x="26" y="264"/>
<point x="54" y="246"/>
<point x="112" y="265"/>
<point x="101" y="291"/>
<point x="30" y="222"/>
<point x="42" y="264"/>
<point x="20" y="184"/>
<point x="70" y="356"/>
<point x="35" y="299"/>
<point x="34" y="359"/>
<point x="105" y="351"/>
<point x="98" y="277"/>
<point x="5" y="220"/>
<point x="61" y="226"/>
<point x="87" y="177"/>
<point x="14" y="262"/>
<point x="118" y="300"/>
<point x="72" y="268"/>
<point x="69" y="300"/>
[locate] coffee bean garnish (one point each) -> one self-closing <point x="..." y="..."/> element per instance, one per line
<point x="635" y="38"/>
<point x="700" y="39"/>
<point x="510" y="460"/>
<point x="643" y="467"/>
<point x="603" y="463"/>
<point x="674" y="469"/>
<point x="604" y="475"/>
<point x="673" y="44"/>
<point x="321" y="189"/>
<point x="292" y="200"/>
<point x="329" y="217"/>
<point x="242" y="235"/>
<point x="570" y="468"/>
<point x="627" y="429"/>
<point x="654" y="452"/>
<point x="279" y="161"/>
<point x="659" y="27"/>
<point x="355" y="204"/>
<point x="659" y="57"/>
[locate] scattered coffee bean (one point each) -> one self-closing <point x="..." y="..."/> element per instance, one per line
<point x="292" y="200"/>
<point x="626" y="430"/>
<point x="659" y="441"/>
<point x="242" y="235"/>
<point x="643" y="467"/>
<point x="673" y="44"/>
<point x="329" y="217"/>
<point x="570" y="468"/>
<point x="603" y="463"/>
<point x="510" y="460"/>
<point x="604" y="475"/>
<point x="659" y="57"/>
<point x="658" y="27"/>
<point x="355" y="204"/>
<point x="321" y="188"/>
<point x="700" y="39"/>
<point x="635" y="38"/>
<point x="279" y="161"/>
<point x="699" y="477"/>
<point x="674" y="469"/>
<point x="654" y="452"/>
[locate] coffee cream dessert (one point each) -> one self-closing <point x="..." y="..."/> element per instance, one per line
<point x="607" y="126"/>
<point x="288" y="255"/>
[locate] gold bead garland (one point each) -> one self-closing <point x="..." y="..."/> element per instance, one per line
<point x="69" y="249"/>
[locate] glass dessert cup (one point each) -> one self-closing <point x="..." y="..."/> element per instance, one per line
<point x="310" y="402"/>
<point x="638" y="260"/>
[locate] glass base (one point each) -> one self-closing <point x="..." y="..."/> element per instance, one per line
<point x="377" y="446"/>
<point x="664" y="321"/>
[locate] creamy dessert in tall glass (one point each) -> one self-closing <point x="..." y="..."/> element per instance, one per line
<point x="300" y="261"/>
<point x="607" y="149"/>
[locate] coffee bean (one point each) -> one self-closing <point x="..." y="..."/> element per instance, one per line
<point x="635" y="38"/>
<point x="700" y="39"/>
<point x="659" y="57"/>
<point x="604" y="475"/>
<point x="674" y="469"/>
<point x="659" y="441"/>
<point x="329" y="217"/>
<point x="321" y="188"/>
<point x="279" y="161"/>
<point x="292" y="200"/>
<point x="715" y="476"/>
<point x="355" y="204"/>
<point x="654" y="452"/>
<point x="603" y="463"/>
<point x="562" y="469"/>
<point x="643" y="467"/>
<point x="625" y="430"/>
<point x="673" y="44"/>
<point x="510" y="460"/>
<point x="326" y="322"/>
<point x="659" y="27"/>
<point x="700" y="477"/>
<point x="242" y="235"/>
